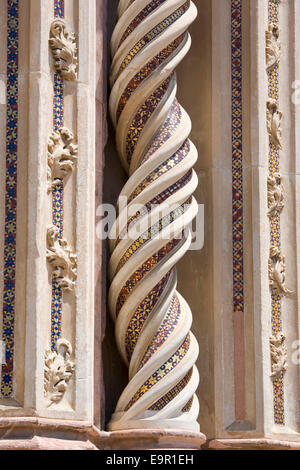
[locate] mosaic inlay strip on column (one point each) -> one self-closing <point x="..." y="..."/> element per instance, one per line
<point x="10" y="228"/>
<point x="274" y="159"/>
<point x="237" y="206"/>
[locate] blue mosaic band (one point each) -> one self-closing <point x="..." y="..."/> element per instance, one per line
<point x="274" y="161"/>
<point x="10" y="229"/>
<point x="58" y="192"/>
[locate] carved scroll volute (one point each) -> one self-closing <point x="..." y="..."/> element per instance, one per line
<point x="64" y="49"/>
<point x="58" y="371"/>
<point x="62" y="155"/>
<point x="62" y="259"/>
<point x="273" y="46"/>
<point x="278" y="351"/>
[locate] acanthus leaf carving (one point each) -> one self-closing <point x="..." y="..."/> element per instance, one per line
<point x="64" y="49"/>
<point x="275" y="194"/>
<point x="62" y="154"/>
<point x="278" y="355"/>
<point x="273" y="46"/>
<point x="62" y="259"/>
<point x="276" y="267"/>
<point x="58" y="371"/>
<point x="140" y="405"/>
<point x="274" y="117"/>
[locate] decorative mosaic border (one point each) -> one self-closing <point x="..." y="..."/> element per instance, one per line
<point x="140" y="17"/>
<point x="153" y="319"/>
<point x="237" y="205"/>
<point x="59" y="8"/>
<point x="10" y="228"/>
<point x="158" y="29"/>
<point x="58" y="192"/>
<point x="274" y="160"/>
<point x="164" y="370"/>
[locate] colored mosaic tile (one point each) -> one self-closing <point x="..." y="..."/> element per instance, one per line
<point x="143" y="116"/>
<point x="273" y="11"/>
<point x="156" y="31"/>
<point x="10" y="227"/>
<point x="275" y="231"/>
<point x="141" y="272"/>
<point x="165" y="400"/>
<point x="237" y="158"/>
<point x="56" y="304"/>
<point x="276" y="320"/>
<point x="162" y="372"/>
<point x="146" y="71"/>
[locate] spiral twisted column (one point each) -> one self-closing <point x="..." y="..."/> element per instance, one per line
<point x="155" y="210"/>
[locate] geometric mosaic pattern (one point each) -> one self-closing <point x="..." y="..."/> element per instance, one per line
<point x="139" y="18"/>
<point x="274" y="160"/>
<point x="58" y="191"/>
<point x="156" y="31"/>
<point x="146" y="71"/>
<point x="237" y="157"/>
<point x="10" y="229"/>
<point x="152" y="319"/>
<point x="160" y="373"/>
<point x="59" y="8"/>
